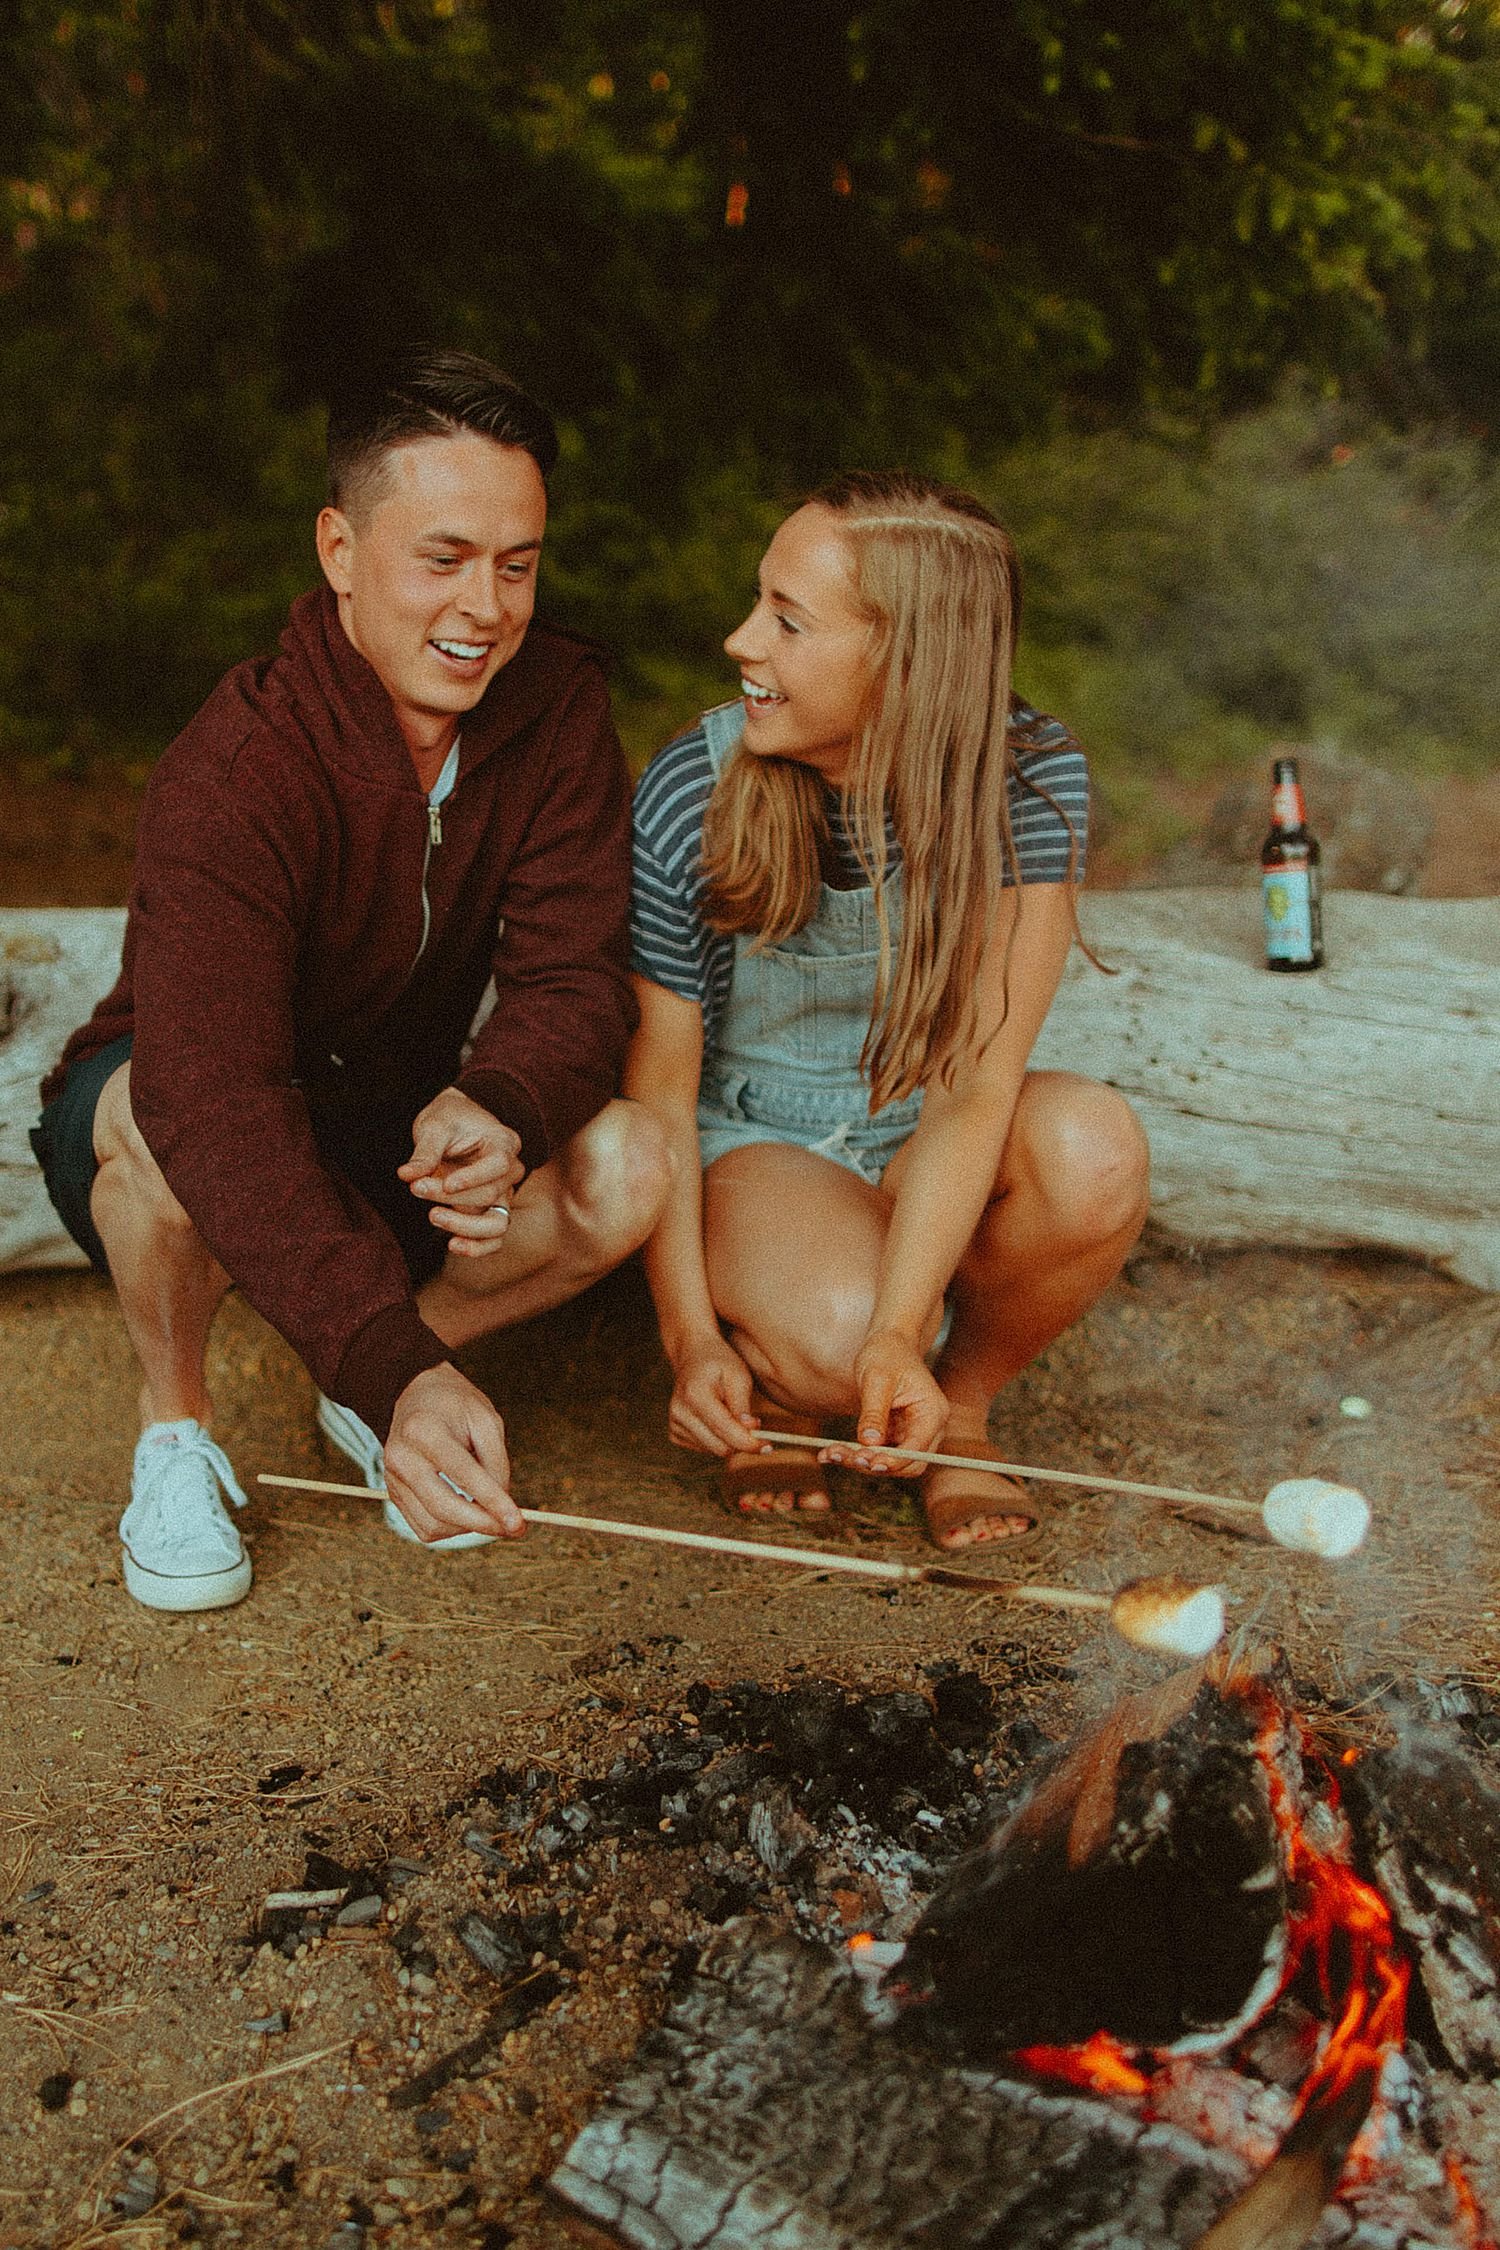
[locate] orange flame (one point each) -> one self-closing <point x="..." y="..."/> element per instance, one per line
<point x="1344" y="1928"/>
<point x="1101" y="2064"/>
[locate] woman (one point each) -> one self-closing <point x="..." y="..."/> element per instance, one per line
<point x="854" y="903"/>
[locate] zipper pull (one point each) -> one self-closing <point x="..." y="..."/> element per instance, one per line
<point x="434" y="825"/>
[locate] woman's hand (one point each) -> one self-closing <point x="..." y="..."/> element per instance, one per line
<point x="900" y="1403"/>
<point x="710" y="1409"/>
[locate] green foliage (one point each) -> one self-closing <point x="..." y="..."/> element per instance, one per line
<point x="1305" y="574"/>
<point x="735" y="249"/>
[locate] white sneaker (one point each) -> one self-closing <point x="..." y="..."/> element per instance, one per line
<point x="355" y="1438"/>
<point x="181" y="1549"/>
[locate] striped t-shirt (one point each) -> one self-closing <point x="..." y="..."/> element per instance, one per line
<point x="673" y="945"/>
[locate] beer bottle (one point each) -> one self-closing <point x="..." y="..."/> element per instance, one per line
<point x="1291" y="878"/>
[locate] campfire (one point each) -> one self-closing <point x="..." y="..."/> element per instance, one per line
<point x="1164" y="2001"/>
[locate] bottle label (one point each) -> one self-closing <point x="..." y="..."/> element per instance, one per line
<point x="1287" y="809"/>
<point x="1290" y="908"/>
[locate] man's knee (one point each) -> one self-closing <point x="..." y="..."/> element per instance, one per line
<point x="616" y="1176"/>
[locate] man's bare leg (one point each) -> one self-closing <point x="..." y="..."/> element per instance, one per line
<point x="180" y="1548"/>
<point x="572" y="1221"/>
<point x="168" y="1282"/>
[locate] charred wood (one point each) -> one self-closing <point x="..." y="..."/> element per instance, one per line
<point x="768" y="2113"/>
<point x="1428" y="1818"/>
<point x="1139" y="1891"/>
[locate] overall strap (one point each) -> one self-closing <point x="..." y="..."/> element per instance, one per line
<point x="722" y="728"/>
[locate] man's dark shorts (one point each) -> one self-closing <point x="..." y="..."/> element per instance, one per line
<point x="365" y="1141"/>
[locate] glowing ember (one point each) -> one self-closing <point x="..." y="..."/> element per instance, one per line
<point x="1101" y="2064"/>
<point x="1466" y="2209"/>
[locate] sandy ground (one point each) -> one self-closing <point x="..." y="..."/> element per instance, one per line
<point x="161" y="1776"/>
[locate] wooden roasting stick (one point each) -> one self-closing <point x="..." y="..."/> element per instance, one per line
<point x="1168" y="1614"/>
<point x="1009" y="1469"/>
<point x="1305" y="1513"/>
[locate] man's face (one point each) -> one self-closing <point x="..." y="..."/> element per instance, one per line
<point x="436" y="577"/>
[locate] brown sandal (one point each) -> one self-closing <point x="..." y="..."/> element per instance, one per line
<point x="997" y="1496"/>
<point x="774" y="1473"/>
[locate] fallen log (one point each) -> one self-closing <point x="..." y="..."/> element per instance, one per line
<point x="1353" y="1107"/>
<point x="1350" y="1107"/>
<point x="55" y="962"/>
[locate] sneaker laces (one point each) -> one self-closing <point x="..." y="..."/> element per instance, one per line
<point x="191" y="1438"/>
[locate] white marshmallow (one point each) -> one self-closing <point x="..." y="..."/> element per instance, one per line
<point x="1318" y="1517"/>
<point x="1154" y="1615"/>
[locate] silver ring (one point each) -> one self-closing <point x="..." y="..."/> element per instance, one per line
<point x="496" y="1208"/>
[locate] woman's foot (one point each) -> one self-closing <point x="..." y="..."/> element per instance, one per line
<point x="969" y="1508"/>
<point x="782" y="1483"/>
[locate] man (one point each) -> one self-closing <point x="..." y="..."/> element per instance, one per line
<point x="416" y="808"/>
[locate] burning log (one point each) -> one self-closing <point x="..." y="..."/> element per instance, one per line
<point x="767" y="2109"/>
<point x="1158" y="1829"/>
<point x="1160" y="2006"/>
<point x="1430" y="1824"/>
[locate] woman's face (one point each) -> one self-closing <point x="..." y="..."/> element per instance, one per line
<point x="804" y="650"/>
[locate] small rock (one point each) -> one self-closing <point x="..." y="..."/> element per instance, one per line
<point x="53" y="2091"/>
<point x="141" y="2189"/>
<point x="268" y="2027"/>
<point x="1358" y="1409"/>
<point x="358" y="1913"/>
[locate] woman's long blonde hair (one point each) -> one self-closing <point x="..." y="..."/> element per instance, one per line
<point x="938" y="579"/>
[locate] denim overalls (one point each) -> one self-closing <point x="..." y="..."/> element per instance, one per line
<point x="785" y="1061"/>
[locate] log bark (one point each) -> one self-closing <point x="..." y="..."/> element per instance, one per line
<point x="55" y="962"/>
<point x="1353" y="1106"/>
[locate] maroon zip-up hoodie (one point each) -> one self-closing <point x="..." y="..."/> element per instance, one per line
<point x="275" y="954"/>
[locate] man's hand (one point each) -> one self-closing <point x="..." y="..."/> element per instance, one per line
<point x="467" y="1165"/>
<point x="446" y="1464"/>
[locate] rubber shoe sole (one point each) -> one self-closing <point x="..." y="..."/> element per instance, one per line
<point x="216" y="1589"/>
<point x="348" y="1435"/>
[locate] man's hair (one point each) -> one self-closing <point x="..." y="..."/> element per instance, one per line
<point x="426" y="390"/>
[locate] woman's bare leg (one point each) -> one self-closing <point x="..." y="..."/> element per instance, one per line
<point x="793" y="1243"/>
<point x="1070" y="1199"/>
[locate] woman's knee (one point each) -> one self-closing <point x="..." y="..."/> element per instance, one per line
<point x="804" y="1346"/>
<point x="617" y="1172"/>
<point x="1087" y="1156"/>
